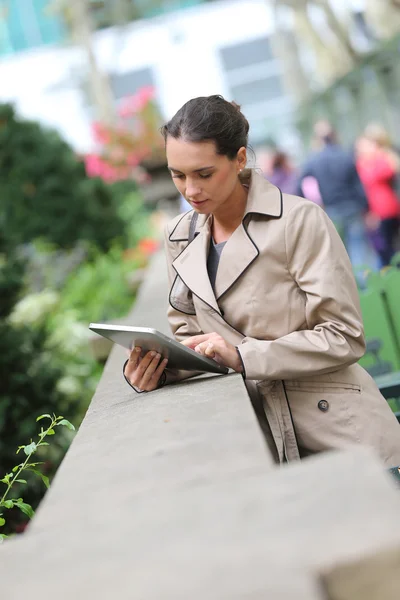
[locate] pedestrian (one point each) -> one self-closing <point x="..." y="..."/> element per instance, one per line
<point x="281" y="172"/>
<point x="342" y="193"/>
<point x="260" y="282"/>
<point x="379" y="166"/>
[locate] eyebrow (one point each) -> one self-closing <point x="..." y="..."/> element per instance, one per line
<point x="195" y="170"/>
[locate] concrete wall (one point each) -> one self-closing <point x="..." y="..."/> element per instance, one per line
<point x="173" y="495"/>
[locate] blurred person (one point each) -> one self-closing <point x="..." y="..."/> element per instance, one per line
<point x="378" y="166"/>
<point x="342" y="193"/>
<point x="280" y="172"/>
<point x="260" y="282"/>
<point x="311" y="191"/>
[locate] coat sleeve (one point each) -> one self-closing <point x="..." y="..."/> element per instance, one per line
<point x="333" y="336"/>
<point x="182" y="324"/>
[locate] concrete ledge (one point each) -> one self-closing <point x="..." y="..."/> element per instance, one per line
<point x="173" y="495"/>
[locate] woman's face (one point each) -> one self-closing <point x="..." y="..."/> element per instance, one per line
<point x="206" y="179"/>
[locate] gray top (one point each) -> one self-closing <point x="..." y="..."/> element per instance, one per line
<point x="214" y="254"/>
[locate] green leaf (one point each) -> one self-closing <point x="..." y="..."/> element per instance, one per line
<point x="30" y="449"/>
<point x="2" y="521"/>
<point x="44" y="417"/>
<point x="19" y="449"/>
<point x="8" y="503"/>
<point x="17" y="467"/>
<point x="20" y="480"/>
<point x="50" y="432"/>
<point x="3" y="536"/>
<point x="44" y="478"/>
<point x="66" y="424"/>
<point x="44" y="444"/>
<point x="25" y="508"/>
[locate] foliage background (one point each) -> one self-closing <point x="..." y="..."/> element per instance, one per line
<point x="68" y="243"/>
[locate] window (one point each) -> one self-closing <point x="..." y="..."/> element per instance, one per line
<point x="246" y="54"/>
<point x="254" y="80"/>
<point x="126" y="84"/>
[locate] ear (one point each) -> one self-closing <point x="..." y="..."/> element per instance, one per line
<point x="241" y="158"/>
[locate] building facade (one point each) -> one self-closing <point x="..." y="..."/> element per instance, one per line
<point x="211" y="48"/>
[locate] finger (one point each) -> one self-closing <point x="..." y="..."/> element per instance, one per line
<point x="144" y="363"/>
<point x="149" y="372"/>
<point x="133" y="362"/>
<point x="135" y="354"/>
<point x="201" y="348"/>
<point x="209" y="350"/>
<point x="195" y="340"/>
<point x="136" y="370"/>
<point x="138" y="377"/>
<point x="160" y="370"/>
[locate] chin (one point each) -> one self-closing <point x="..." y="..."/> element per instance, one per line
<point x="203" y="208"/>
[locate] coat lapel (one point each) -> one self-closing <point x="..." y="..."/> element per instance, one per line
<point x="241" y="250"/>
<point x="237" y="255"/>
<point x="191" y="266"/>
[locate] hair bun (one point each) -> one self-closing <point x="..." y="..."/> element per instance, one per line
<point x="237" y="106"/>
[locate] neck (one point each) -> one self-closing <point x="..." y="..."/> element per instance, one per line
<point x="229" y="216"/>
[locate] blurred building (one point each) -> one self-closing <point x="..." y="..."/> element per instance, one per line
<point x="212" y="47"/>
<point x="183" y="48"/>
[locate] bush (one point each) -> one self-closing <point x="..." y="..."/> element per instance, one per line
<point x="45" y="192"/>
<point x="30" y="376"/>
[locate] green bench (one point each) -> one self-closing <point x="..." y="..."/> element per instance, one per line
<point x="389" y="386"/>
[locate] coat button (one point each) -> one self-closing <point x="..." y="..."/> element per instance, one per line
<point x="323" y="405"/>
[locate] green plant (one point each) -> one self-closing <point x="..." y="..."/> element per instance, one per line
<point x="45" y="192"/>
<point x="35" y="377"/>
<point x="99" y="289"/>
<point x="11" y="479"/>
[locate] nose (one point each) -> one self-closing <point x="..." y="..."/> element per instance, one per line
<point x="192" y="189"/>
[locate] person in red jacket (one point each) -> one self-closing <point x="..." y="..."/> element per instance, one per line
<point x="378" y="166"/>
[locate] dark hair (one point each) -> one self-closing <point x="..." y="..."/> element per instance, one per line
<point x="210" y="118"/>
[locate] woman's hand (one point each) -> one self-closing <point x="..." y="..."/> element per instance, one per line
<point x="144" y="373"/>
<point x="214" y="346"/>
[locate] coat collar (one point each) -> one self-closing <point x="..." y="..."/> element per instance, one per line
<point x="264" y="198"/>
<point x="239" y="252"/>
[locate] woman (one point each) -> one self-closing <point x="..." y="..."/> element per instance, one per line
<point x="378" y="166"/>
<point x="263" y="285"/>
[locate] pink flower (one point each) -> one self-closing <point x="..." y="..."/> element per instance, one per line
<point x="101" y="133"/>
<point x="133" y="104"/>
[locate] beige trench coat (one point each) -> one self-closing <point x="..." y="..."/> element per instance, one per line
<point x="285" y="295"/>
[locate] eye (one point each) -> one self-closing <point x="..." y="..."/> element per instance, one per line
<point x="207" y="176"/>
<point x="177" y="176"/>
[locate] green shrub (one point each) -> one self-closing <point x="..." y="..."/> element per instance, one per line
<point x="98" y="290"/>
<point x="32" y="373"/>
<point x="45" y="192"/>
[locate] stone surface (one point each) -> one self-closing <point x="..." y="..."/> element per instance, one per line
<point x="371" y="578"/>
<point x="173" y="495"/>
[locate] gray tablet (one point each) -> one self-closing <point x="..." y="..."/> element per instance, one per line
<point x="179" y="356"/>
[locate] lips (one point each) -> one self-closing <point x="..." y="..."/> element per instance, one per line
<point x="197" y="203"/>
